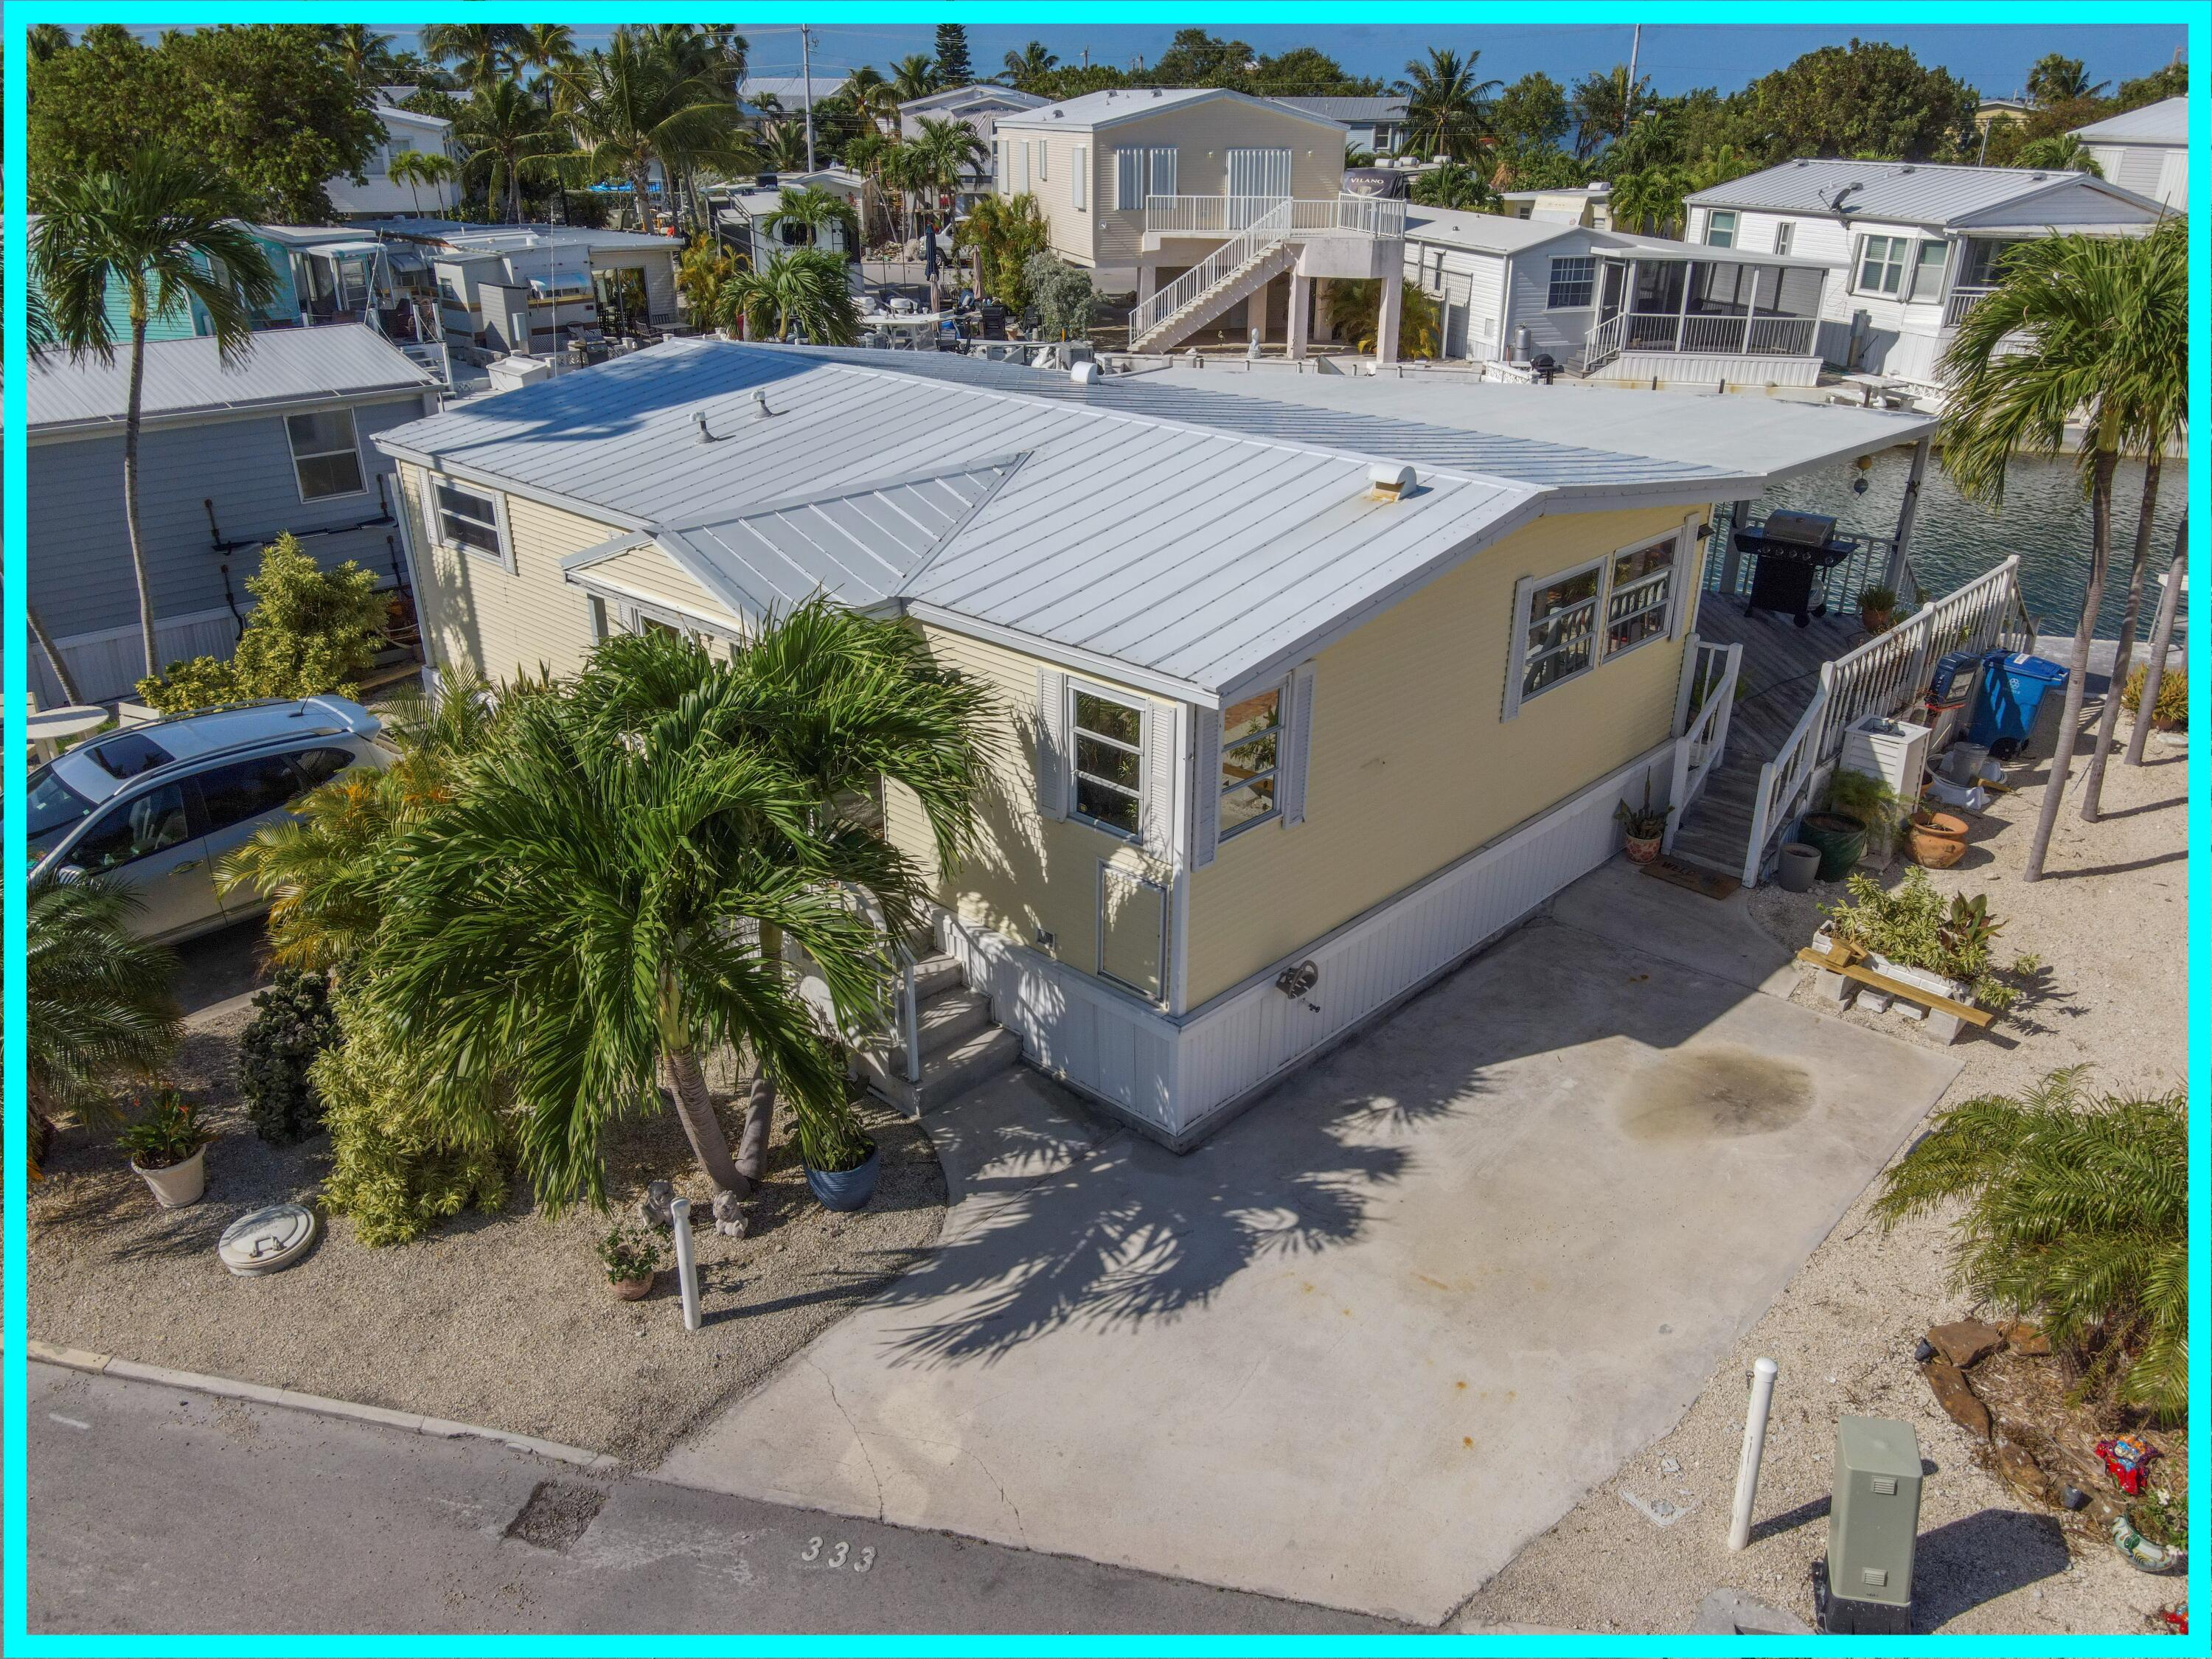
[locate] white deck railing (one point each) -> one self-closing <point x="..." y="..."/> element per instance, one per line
<point x="1710" y="335"/>
<point x="1226" y="216"/>
<point x="1269" y="227"/>
<point x="1865" y="565"/>
<point x="1962" y="300"/>
<point x="1709" y="700"/>
<point x="1886" y="676"/>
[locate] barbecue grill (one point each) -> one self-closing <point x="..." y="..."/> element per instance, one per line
<point x="1788" y="549"/>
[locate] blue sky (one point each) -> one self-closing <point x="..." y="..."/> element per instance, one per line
<point x="1996" y="60"/>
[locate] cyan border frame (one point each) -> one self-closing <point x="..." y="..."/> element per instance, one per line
<point x="1457" y="19"/>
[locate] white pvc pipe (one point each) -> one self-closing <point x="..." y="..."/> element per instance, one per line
<point x="1754" y="1448"/>
<point x="687" y="1269"/>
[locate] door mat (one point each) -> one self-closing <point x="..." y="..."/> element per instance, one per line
<point x="1711" y="883"/>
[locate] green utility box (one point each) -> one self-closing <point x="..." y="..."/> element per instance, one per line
<point x="1873" y="1520"/>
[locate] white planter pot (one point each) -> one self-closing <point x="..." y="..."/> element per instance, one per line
<point x="178" y="1185"/>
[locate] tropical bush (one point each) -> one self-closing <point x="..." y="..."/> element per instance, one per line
<point x="1354" y="308"/>
<point x="2173" y="709"/>
<point x="292" y="1024"/>
<point x="2076" y="1216"/>
<point x="805" y="291"/>
<point x="310" y="631"/>
<point x="1910" y="923"/>
<point x="396" y="1170"/>
<point x="1063" y="296"/>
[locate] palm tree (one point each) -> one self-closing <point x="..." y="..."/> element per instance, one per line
<point x="804" y="290"/>
<point x="948" y="150"/>
<point x="1031" y="64"/>
<point x="42" y="41"/>
<point x="1650" y="199"/>
<point x="1454" y="185"/>
<point x="786" y="146"/>
<point x="1447" y="109"/>
<point x="160" y="230"/>
<point x="914" y="76"/>
<point x="2077" y="1216"/>
<point x="633" y="104"/>
<point x="2058" y="153"/>
<point x="97" y="1003"/>
<point x="1605" y="105"/>
<point x="1002" y="231"/>
<point x="2161" y="638"/>
<point x="2105" y="321"/>
<point x="1355" y="307"/>
<point x="610" y="893"/>
<point x="416" y="167"/>
<point x="366" y="54"/>
<point x="508" y="134"/>
<point x="906" y="170"/>
<point x="542" y="46"/>
<point x="816" y="209"/>
<point x="871" y="98"/>
<point x="482" y="52"/>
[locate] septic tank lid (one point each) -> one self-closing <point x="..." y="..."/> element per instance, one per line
<point x="269" y="1241"/>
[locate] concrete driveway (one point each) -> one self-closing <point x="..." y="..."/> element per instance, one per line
<point x="1389" y="1325"/>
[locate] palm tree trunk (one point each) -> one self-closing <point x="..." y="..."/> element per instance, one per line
<point x="63" y="677"/>
<point x="2069" y="724"/>
<point x="638" y="192"/>
<point x="760" y="1103"/>
<point x="2108" y="718"/>
<point x="2162" y="639"/>
<point x="131" y="407"/>
<point x="695" y="1110"/>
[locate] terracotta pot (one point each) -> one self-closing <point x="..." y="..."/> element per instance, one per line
<point x="632" y="1290"/>
<point x="1876" y="621"/>
<point x="1642" y="849"/>
<point x="1939" y="840"/>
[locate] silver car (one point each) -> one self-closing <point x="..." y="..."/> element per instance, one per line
<point x="152" y="808"/>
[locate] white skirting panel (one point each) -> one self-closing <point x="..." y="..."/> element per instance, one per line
<point x="1698" y="368"/>
<point x="1178" y="1080"/>
<point x="108" y="665"/>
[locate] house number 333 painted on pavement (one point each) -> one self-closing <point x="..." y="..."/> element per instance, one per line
<point x="838" y="1555"/>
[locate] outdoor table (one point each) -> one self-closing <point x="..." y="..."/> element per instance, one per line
<point x="46" y="727"/>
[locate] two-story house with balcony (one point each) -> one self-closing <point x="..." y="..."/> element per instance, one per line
<point x="1220" y="210"/>
<point x="1911" y="244"/>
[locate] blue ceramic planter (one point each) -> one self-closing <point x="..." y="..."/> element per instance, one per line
<point x="847" y="1189"/>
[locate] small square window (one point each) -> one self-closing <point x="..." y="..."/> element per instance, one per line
<point x="1573" y="279"/>
<point x="1720" y="229"/>
<point x="468" y="519"/>
<point x="1109" y="762"/>
<point x="325" y="459"/>
<point x="1251" y="740"/>
<point x="1785" y="235"/>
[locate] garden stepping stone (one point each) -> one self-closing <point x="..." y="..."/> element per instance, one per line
<point x="2024" y="1338"/>
<point x="1966" y="1341"/>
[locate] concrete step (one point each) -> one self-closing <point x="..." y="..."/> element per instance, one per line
<point x="932" y="974"/>
<point x="949" y="1016"/>
<point x="946" y="1074"/>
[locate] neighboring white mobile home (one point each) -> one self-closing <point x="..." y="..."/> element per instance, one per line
<point x="2145" y="150"/>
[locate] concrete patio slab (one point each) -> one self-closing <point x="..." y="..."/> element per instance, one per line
<point x="1381" y="1331"/>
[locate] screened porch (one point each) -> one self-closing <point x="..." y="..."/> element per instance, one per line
<point x="1693" y="302"/>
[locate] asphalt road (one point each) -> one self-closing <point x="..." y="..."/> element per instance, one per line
<point x="156" y="1509"/>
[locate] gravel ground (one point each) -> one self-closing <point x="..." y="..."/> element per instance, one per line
<point x="2110" y="919"/>
<point x="504" y="1320"/>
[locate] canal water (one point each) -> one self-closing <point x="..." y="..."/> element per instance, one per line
<point x="2044" y="520"/>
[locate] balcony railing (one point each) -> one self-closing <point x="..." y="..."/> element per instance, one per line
<point x="1962" y="300"/>
<point x="1733" y="336"/>
<point x="1227" y="216"/>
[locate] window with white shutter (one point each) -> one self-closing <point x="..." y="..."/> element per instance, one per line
<point x="1128" y="179"/>
<point x="1163" y="179"/>
<point x="1021" y="167"/>
<point x="1155" y="809"/>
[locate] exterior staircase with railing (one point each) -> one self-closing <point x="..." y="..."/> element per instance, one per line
<point x="1264" y="238"/>
<point x="953" y="1046"/>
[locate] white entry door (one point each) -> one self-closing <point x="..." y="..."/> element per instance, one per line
<point x="1258" y="178"/>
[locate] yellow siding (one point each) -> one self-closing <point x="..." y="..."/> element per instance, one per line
<point x="650" y="574"/>
<point x="1027" y="872"/>
<point x="476" y="615"/>
<point x="1410" y="764"/>
<point x="1202" y="136"/>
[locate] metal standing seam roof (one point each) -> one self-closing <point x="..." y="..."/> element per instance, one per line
<point x="1353" y="111"/>
<point x="1098" y="109"/>
<point x="1195" y="533"/>
<point x="1908" y="192"/>
<point x="188" y="377"/>
<point x="2166" y="122"/>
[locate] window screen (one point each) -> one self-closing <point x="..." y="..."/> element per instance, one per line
<point x="1109" y="762"/>
<point x="324" y="454"/>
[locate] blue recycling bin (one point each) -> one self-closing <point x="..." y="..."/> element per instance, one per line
<point x="2012" y="690"/>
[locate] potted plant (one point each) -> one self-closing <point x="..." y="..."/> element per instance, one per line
<point x="1857" y="810"/>
<point x="2171" y="713"/>
<point x="1910" y="933"/>
<point x="167" y="1144"/>
<point x="842" y="1161"/>
<point x="1644" y="826"/>
<point x="632" y="1257"/>
<point x="1938" y="839"/>
<point x="1877" y="609"/>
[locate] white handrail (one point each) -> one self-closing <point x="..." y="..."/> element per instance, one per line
<point x="1341" y="215"/>
<point x="1715" y="670"/>
<point x="1267" y="229"/>
<point x="1885" y="675"/>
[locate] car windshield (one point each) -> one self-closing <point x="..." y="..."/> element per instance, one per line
<point x="55" y="810"/>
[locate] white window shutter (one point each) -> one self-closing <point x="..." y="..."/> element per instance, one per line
<point x="1163" y="171"/>
<point x="1079" y="178"/>
<point x="1680" y="591"/>
<point x="432" y="537"/>
<point x="1155" y="784"/>
<point x="1205" y="818"/>
<point x="1298" y="748"/>
<point x="1516" y="651"/>
<point x="1129" y="178"/>
<point x="1052" y="743"/>
<point x="1043" y="147"/>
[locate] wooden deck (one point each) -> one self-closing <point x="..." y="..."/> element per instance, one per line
<point x="1780" y="670"/>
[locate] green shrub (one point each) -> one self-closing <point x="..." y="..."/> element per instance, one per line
<point x="1912" y="923"/>
<point x="2076" y="1216"/>
<point x="395" y="1173"/>
<point x="2172" y="708"/>
<point x="292" y="1024"/>
<point x="310" y="631"/>
<point x="1063" y="295"/>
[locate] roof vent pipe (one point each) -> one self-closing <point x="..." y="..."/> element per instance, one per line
<point x="761" y="411"/>
<point x="1083" y="374"/>
<point x="1388" y="480"/>
<point x="700" y="420"/>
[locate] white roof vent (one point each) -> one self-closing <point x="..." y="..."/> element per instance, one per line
<point x="1083" y="374"/>
<point x="1388" y="480"/>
